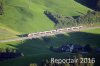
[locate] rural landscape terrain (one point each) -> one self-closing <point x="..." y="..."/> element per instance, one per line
<point x="34" y="31"/>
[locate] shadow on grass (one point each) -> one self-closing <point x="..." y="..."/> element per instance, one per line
<point x="38" y="49"/>
<point x="88" y="3"/>
<point x="86" y="38"/>
<point x="38" y="46"/>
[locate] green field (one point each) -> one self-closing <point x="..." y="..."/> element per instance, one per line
<point x="39" y="48"/>
<point x="84" y="37"/>
<point x="27" y="16"/>
<point x="6" y="33"/>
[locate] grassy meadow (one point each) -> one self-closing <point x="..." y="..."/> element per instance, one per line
<point x="27" y="16"/>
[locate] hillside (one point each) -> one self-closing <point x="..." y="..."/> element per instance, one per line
<point x="94" y="4"/>
<point x="38" y="49"/>
<point x="28" y="15"/>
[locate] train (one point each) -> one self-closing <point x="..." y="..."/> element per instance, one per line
<point x="53" y="32"/>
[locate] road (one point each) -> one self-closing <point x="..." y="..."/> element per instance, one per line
<point x="25" y="38"/>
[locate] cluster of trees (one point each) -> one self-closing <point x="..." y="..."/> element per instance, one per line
<point x="62" y="21"/>
<point x="8" y="53"/>
<point x="72" y="48"/>
<point x="89" y="18"/>
<point x="7" y="50"/>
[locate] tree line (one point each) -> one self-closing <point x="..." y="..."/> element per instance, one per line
<point x="8" y="53"/>
<point x="61" y="21"/>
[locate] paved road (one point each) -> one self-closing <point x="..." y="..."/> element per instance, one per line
<point x="24" y="38"/>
